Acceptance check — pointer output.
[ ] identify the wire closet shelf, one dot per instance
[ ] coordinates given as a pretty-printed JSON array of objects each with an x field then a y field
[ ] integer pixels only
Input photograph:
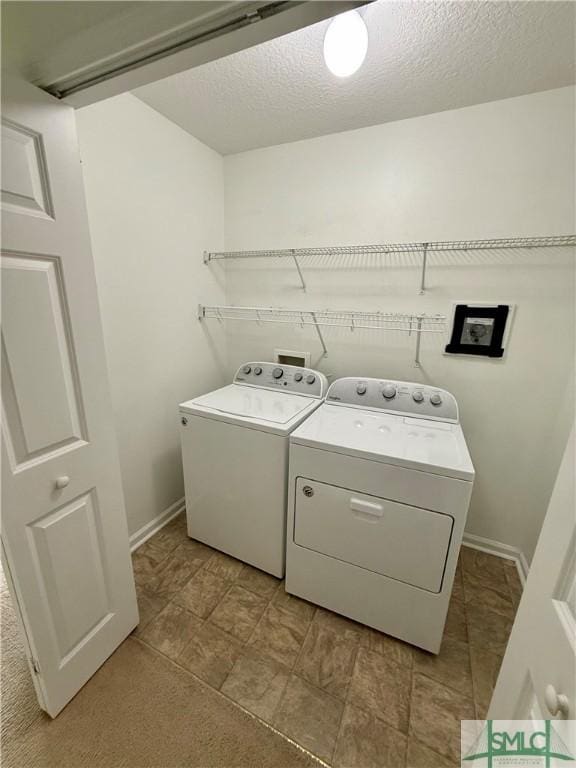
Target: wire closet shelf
[
  {"x": 422, "y": 248},
  {"x": 416, "y": 324},
  {"x": 411, "y": 323},
  {"x": 417, "y": 247}
]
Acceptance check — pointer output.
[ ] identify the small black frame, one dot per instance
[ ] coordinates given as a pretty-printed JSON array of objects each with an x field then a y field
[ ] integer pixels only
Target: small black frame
[{"x": 493, "y": 348}]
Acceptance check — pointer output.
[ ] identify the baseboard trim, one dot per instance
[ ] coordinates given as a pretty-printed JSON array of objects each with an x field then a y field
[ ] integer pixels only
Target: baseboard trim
[
  {"x": 490, "y": 546},
  {"x": 500, "y": 550},
  {"x": 143, "y": 534}
]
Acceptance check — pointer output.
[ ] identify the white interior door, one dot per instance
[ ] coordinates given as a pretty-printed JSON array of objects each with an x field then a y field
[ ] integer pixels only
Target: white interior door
[
  {"x": 538, "y": 675},
  {"x": 64, "y": 528}
]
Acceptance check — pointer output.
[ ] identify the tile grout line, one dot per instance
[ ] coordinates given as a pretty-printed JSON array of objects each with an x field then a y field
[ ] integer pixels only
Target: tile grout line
[
  {"x": 470, "y": 645},
  {"x": 245, "y": 647},
  {"x": 171, "y": 554},
  {"x": 367, "y": 711},
  {"x": 234, "y": 703},
  {"x": 326, "y": 693},
  {"x": 410, "y": 733},
  {"x": 229, "y": 634},
  {"x": 292, "y": 668},
  {"x": 246, "y": 643},
  {"x": 410, "y": 700},
  {"x": 308, "y": 630},
  {"x": 171, "y": 600},
  {"x": 345, "y": 704}
]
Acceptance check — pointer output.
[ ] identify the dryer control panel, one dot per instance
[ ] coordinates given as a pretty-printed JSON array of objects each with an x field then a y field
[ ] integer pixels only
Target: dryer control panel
[
  {"x": 399, "y": 397},
  {"x": 287, "y": 378}
]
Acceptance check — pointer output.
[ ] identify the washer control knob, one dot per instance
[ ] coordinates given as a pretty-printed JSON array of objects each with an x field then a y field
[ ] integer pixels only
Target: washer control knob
[
  {"x": 298, "y": 376},
  {"x": 418, "y": 396},
  {"x": 310, "y": 379},
  {"x": 436, "y": 399},
  {"x": 389, "y": 391},
  {"x": 277, "y": 373},
  {"x": 246, "y": 369},
  {"x": 257, "y": 371},
  {"x": 361, "y": 389}
]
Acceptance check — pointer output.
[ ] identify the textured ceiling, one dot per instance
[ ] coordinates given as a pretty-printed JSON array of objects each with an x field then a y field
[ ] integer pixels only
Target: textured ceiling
[{"x": 423, "y": 57}]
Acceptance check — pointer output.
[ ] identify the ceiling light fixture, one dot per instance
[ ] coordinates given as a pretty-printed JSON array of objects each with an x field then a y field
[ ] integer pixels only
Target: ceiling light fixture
[{"x": 345, "y": 44}]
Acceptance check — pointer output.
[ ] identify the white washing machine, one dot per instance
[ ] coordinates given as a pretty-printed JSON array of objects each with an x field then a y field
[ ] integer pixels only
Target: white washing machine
[
  {"x": 379, "y": 487},
  {"x": 235, "y": 458}
]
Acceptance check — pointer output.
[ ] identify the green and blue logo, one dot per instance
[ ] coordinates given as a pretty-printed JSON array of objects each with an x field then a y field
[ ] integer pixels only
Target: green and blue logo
[{"x": 537, "y": 740}]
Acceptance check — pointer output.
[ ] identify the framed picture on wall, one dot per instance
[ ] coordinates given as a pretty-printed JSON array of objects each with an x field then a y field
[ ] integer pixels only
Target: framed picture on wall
[{"x": 479, "y": 330}]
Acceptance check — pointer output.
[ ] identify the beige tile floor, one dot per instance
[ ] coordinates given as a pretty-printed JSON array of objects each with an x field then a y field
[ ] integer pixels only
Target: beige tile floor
[{"x": 350, "y": 695}]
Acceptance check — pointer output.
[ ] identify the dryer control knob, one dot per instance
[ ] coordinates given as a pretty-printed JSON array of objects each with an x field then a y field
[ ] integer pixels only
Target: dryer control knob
[
  {"x": 310, "y": 379},
  {"x": 436, "y": 399},
  {"x": 417, "y": 396},
  {"x": 298, "y": 376},
  {"x": 257, "y": 371},
  {"x": 389, "y": 391},
  {"x": 246, "y": 369},
  {"x": 361, "y": 389},
  {"x": 277, "y": 373}
]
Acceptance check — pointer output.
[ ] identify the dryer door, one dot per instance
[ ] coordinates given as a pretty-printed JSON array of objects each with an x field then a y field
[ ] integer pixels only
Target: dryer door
[{"x": 397, "y": 540}]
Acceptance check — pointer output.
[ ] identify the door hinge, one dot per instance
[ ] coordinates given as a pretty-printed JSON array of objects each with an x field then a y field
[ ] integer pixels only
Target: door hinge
[{"x": 35, "y": 666}]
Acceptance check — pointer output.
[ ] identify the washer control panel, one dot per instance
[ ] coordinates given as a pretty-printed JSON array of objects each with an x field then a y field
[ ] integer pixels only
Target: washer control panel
[
  {"x": 400, "y": 397},
  {"x": 288, "y": 378}
]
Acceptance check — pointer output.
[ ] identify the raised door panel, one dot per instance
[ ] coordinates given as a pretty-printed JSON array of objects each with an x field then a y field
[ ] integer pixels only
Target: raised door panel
[
  {"x": 40, "y": 392},
  {"x": 66, "y": 547},
  {"x": 25, "y": 187}
]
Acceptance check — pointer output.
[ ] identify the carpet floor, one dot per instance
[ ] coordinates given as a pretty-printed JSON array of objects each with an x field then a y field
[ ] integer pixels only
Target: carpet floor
[{"x": 138, "y": 711}]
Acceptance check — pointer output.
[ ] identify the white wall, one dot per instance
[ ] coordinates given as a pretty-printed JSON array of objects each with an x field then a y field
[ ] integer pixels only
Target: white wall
[
  {"x": 155, "y": 203},
  {"x": 494, "y": 170}
]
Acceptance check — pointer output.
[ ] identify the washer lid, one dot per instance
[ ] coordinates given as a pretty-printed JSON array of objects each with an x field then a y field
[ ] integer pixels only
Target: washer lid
[
  {"x": 430, "y": 446},
  {"x": 279, "y": 411}
]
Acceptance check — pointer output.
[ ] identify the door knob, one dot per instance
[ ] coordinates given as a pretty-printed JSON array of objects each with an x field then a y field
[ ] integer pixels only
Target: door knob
[
  {"x": 62, "y": 482},
  {"x": 556, "y": 702}
]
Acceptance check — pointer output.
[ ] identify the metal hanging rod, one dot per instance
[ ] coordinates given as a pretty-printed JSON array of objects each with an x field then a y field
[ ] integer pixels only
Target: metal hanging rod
[
  {"x": 416, "y": 324},
  {"x": 421, "y": 248}
]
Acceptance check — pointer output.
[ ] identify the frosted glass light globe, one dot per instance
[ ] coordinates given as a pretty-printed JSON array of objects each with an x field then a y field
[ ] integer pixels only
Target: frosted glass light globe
[{"x": 345, "y": 44}]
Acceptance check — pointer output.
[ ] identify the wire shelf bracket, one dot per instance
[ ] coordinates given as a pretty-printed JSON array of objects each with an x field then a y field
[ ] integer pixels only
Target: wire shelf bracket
[
  {"x": 320, "y": 336},
  {"x": 424, "y": 263},
  {"x": 416, "y": 324},
  {"x": 424, "y": 248},
  {"x": 300, "y": 275}
]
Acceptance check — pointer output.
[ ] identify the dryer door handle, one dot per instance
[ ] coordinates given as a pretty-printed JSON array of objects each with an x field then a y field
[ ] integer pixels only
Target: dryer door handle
[{"x": 366, "y": 507}]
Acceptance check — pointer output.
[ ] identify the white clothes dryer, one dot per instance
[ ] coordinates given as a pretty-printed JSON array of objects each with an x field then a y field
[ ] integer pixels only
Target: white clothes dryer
[
  {"x": 379, "y": 486},
  {"x": 235, "y": 459}
]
